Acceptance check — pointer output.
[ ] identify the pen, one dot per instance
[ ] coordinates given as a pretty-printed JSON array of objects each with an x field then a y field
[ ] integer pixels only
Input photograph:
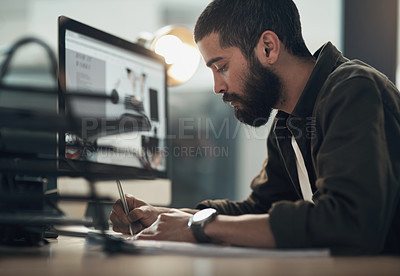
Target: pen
[{"x": 124, "y": 203}]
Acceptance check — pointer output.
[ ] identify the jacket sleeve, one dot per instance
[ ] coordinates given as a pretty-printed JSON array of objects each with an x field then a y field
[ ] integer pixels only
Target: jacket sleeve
[
  {"x": 352, "y": 165},
  {"x": 270, "y": 185}
]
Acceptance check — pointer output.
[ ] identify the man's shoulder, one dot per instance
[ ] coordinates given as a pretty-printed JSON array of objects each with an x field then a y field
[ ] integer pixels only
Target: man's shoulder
[
  {"x": 344, "y": 80},
  {"x": 354, "y": 70},
  {"x": 355, "y": 83}
]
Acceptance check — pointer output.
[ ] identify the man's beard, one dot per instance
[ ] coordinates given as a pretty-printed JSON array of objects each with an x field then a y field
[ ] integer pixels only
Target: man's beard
[{"x": 262, "y": 90}]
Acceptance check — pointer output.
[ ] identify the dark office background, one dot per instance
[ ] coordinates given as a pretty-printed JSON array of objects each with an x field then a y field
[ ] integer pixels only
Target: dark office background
[{"x": 370, "y": 33}]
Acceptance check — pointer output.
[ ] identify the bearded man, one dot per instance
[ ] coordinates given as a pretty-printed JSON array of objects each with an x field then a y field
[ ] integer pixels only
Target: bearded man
[{"x": 332, "y": 177}]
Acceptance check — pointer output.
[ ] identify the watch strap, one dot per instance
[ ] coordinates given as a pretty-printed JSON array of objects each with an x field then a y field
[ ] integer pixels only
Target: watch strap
[
  {"x": 198, "y": 227},
  {"x": 199, "y": 235}
]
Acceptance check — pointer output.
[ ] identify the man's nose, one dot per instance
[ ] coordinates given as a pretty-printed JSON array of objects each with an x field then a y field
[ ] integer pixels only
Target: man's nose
[{"x": 220, "y": 86}]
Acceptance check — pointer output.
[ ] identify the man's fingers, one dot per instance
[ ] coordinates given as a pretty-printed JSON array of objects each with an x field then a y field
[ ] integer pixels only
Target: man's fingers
[
  {"x": 140, "y": 216},
  {"x": 114, "y": 218},
  {"x": 135, "y": 215},
  {"x": 118, "y": 215},
  {"x": 117, "y": 207},
  {"x": 119, "y": 224},
  {"x": 119, "y": 218},
  {"x": 121, "y": 229},
  {"x": 136, "y": 227}
]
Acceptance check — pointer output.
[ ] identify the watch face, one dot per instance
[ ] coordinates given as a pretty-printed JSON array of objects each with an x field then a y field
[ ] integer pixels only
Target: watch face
[{"x": 203, "y": 215}]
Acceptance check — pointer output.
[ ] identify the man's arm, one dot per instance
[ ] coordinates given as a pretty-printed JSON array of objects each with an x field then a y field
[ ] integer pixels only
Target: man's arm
[{"x": 245, "y": 230}]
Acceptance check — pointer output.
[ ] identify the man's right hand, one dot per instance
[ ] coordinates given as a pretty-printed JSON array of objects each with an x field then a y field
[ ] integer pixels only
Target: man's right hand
[{"x": 141, "y": 215}]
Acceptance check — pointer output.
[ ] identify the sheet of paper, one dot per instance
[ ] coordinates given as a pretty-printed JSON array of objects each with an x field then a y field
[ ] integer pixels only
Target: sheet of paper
[
  {"x": 211, "y": 250},
  {"x": 81, "y": 231}
]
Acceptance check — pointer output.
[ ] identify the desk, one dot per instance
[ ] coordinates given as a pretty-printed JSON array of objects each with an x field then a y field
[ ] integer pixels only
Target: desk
[{"x": 69, "y": 256}]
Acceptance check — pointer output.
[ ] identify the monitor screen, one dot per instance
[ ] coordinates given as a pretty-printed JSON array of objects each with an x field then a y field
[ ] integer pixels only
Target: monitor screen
[{"x": 135, "y": 79}]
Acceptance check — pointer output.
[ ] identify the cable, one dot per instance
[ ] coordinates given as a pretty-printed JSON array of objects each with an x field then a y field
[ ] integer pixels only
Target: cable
[
  {"x": 10, "y": 52},
  {"x": 13, "y": 49}
]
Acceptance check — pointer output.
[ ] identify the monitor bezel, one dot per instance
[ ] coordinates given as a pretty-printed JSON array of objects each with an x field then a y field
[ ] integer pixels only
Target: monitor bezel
[{"x": 103, "y": 170}]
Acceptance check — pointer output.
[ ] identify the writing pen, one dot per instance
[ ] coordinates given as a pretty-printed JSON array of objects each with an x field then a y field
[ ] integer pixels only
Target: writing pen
[{"x": 124, "y": 203}]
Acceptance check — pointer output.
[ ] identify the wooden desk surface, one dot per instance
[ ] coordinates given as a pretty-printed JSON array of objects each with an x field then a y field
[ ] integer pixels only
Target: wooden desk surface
[{"x": 69, "y": 256}]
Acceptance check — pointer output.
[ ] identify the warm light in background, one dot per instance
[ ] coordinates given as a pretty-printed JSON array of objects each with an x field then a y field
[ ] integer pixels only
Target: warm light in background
[
  {"x": 169, "y": 46},
  {"x": 179, "y": 50}
]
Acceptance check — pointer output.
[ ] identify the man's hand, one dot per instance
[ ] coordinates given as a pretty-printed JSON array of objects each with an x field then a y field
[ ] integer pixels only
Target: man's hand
[
  {"x": 141, "y": 215},
  {"x": 171, "y": 226}
]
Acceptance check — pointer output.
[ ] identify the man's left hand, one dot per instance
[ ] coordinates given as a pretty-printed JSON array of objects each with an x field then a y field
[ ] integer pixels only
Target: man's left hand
[{"x": 171, "y": 226}]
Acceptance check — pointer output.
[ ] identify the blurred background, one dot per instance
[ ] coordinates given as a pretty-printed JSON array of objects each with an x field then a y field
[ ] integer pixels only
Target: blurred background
[{"x": 226, "y": 155}]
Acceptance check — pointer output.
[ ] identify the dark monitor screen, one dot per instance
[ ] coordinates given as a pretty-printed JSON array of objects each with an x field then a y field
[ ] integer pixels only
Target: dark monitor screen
[{"x": 93, "y": 61}]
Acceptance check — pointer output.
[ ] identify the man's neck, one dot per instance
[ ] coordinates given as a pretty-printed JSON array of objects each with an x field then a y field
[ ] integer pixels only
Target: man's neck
[{"x": 294, "y": 73}]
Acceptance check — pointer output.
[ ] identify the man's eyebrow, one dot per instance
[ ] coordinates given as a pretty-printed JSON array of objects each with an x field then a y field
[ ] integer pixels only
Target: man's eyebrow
[{"x": 213, "y": 60}]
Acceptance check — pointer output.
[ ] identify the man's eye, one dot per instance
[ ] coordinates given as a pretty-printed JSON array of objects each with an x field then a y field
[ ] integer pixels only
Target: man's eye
[{"x": 222, "y": 69}]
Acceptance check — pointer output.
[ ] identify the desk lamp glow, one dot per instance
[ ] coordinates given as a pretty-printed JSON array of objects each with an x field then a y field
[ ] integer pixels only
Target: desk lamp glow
[{"x": 176, "y": 45}]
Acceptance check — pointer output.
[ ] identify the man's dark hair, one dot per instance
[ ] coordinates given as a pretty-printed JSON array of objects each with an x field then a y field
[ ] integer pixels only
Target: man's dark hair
[{"x": 240, "y": 23}]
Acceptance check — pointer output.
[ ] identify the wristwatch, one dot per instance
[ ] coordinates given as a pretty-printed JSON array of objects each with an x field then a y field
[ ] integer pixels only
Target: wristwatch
[{"x": 198, "y": 221}]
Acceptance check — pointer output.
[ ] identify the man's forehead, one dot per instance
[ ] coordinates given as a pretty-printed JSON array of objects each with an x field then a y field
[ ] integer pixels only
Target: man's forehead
[
  {"x": 210, "y": 49},
  {"x": 209, "y": 42}
]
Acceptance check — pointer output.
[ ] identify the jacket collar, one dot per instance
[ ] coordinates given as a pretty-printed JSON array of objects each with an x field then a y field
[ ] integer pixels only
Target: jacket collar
[{"x": 328, "y": 58}]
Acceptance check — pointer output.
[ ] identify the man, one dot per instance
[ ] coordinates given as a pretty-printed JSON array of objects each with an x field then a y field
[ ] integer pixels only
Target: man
[{"x": 333, "y": 171}]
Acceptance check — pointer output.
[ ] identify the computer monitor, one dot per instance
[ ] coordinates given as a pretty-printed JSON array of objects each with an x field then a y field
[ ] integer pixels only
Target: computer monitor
[{"x": 94, "y": 61}]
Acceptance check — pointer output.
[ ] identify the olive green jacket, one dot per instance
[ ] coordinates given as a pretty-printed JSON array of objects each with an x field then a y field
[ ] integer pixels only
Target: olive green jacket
[{"x": 347, "y": 125}]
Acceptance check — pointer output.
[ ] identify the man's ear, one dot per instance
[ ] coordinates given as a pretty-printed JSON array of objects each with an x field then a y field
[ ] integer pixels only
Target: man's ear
[{"x": 268, "y": 48}]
